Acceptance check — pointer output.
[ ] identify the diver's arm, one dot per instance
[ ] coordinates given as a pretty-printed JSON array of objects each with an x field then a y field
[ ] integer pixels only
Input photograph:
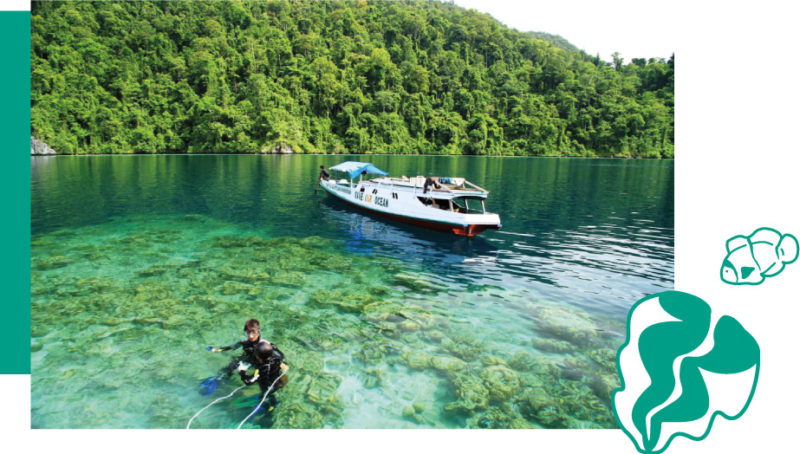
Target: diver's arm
[{"x": 230, "y": 347}]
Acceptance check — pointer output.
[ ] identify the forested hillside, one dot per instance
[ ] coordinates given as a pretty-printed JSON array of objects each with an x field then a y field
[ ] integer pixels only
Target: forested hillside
[{"x": 331, "y": 77}]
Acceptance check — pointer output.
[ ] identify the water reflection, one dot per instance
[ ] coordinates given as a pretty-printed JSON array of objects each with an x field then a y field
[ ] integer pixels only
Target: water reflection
[{"x": 598, "y": 233}]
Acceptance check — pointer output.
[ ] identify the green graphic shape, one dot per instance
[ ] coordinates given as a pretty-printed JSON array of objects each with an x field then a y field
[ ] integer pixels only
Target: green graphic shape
[
  {"x": 15, "y": 178},
  {"x": 668, "y": 365},
  {"x": 752, "y": 259}
]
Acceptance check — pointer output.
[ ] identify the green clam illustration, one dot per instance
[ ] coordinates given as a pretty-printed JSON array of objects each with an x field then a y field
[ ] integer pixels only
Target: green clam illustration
[
  {"x": 763, "y": 254},
  {"x": 680, "y": 367}
]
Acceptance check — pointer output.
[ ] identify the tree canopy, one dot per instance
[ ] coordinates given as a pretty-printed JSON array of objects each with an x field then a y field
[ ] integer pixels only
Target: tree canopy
[{"x": 401, "y": 77}]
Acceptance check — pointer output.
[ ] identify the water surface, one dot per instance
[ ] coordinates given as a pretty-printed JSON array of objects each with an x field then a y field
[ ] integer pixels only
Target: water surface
[{"x": 139, "y": 262}]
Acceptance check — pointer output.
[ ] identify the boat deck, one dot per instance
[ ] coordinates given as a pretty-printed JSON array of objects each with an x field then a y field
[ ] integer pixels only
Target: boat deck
[{"x": 455, "y": 186}]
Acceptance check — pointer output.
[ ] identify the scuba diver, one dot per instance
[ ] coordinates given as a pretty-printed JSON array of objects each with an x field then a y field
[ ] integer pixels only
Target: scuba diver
[
  {"x": 270, "y": 372},
  {"x": 252, "y": 329}
]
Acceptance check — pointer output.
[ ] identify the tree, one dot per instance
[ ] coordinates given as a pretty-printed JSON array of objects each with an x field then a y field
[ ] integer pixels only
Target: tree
[{"x": 392, "y": 77}]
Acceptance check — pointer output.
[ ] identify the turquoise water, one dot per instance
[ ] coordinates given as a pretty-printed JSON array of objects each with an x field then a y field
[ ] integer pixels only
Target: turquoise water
[{"x": 140, "y": 262}]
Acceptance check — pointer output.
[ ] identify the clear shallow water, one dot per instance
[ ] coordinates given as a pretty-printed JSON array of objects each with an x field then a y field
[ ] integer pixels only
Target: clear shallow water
[{"x": 139, "y": 262}]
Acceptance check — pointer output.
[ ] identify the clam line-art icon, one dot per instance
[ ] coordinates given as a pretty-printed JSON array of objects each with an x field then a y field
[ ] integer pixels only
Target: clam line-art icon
[
  {"x": 680, "y": 367},
  {"x": 763, "y": 254}
]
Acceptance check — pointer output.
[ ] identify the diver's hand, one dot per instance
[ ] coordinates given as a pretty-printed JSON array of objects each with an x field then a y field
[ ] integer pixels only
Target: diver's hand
[
  {"x": 241, "y": 368},
  {"x": 213, "y": 350},
  {"x": 247, "y": 380}
]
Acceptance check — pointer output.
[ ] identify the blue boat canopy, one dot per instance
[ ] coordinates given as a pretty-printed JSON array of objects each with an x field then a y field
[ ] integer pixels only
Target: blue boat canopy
[{"x": 354, "y": 168}]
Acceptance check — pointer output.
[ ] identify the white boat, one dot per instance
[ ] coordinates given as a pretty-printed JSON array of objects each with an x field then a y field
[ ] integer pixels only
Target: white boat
[{"x": 454, "y": 205}]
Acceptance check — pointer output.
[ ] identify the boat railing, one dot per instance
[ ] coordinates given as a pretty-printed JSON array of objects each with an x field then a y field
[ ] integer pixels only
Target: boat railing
[{"x": 466, "y": 182}]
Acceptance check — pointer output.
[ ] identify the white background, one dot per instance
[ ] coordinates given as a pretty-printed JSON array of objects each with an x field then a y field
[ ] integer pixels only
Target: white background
[
  {"x": 630, "y": 27},
  {"x": 736, "y": 169}
]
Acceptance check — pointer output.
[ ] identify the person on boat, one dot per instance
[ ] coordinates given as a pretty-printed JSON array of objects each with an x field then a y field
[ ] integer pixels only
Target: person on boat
[
  {"x": 430, "y": 181},
  {"x": 252, "y": 329},
  {"x": 323, "y": 175},
  {"x": 270, "y": 372}
]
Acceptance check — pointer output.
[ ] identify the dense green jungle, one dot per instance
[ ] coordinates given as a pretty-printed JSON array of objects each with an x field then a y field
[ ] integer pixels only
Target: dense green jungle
[{"x": 400, "y": 77}]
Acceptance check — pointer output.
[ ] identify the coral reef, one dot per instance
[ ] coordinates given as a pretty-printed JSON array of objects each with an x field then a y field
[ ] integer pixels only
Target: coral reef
[
  {"x": 122, "y": 344},
  {"x": 501, "y": 382}
]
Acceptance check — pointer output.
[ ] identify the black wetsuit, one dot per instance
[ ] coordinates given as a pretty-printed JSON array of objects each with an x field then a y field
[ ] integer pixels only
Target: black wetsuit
[
  {"x": 247, "y": 357},
  {"x": 268, "y": 371},
  {"x": 324, "y": 175}
]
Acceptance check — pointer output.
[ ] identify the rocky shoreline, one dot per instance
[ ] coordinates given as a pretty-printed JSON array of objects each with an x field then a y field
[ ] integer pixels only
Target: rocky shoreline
[{"x": 39, "y": 148}]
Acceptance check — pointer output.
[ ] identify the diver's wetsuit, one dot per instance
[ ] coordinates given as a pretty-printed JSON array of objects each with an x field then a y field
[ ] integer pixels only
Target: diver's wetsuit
[
  {"x": 247, "y": 357},
  {"x": 324, "y": 175},
  {"x": 268, "y": 371}
]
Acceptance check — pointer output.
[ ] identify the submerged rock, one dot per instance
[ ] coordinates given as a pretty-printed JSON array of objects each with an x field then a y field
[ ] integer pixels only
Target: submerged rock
[
  {"x": 447, "y": 364},
  {"x": 464, "y": 346},
  {"x": 232, "y": 241},
  {"x": 603, "y": 386},
  {"x": 521, "y": 361},
  {"x": 371, "y": 352},
  {"x": 414, "y": 412},
  {"x": 415, "y": 359},
  {"x": 568, "y": 324},
  {"x": 155, "y": 270},
  {"x": 553, "y": 346},
  {"x": 573, "y": 368},
  {"x": 288, "y": 278},
  {"x": 490, "y": 360},
  {"x": 415, "y": 283},
  {"x": 503, "y": 416},
  {"x": 344, "y": 301},
  {"x": 293, "y": 414},
  {"x": 374, "y": 377},
  {"x": 39, "y": 330},
  {"x": 233, "y": 288},
  {"x": 501, "y": 382},
  {"x": 50, "y": 263},
  {"x": 605, "y": 358},
  {"x": 471, "y": 394},
  {"x": 435, "y": 336}
]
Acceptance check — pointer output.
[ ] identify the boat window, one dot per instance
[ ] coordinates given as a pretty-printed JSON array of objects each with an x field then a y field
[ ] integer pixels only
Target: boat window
[
  {"x": 362, "y": 189},
  {"x": 442, "y": 204},
  {"x": 468, "y": 205}
]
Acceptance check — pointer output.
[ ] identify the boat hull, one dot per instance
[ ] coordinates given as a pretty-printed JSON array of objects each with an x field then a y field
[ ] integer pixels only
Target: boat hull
[{"x": 465, "y": 229}]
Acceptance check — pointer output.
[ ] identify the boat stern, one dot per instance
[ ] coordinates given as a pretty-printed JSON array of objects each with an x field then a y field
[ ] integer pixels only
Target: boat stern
[{"x": 477, "y": 224}]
